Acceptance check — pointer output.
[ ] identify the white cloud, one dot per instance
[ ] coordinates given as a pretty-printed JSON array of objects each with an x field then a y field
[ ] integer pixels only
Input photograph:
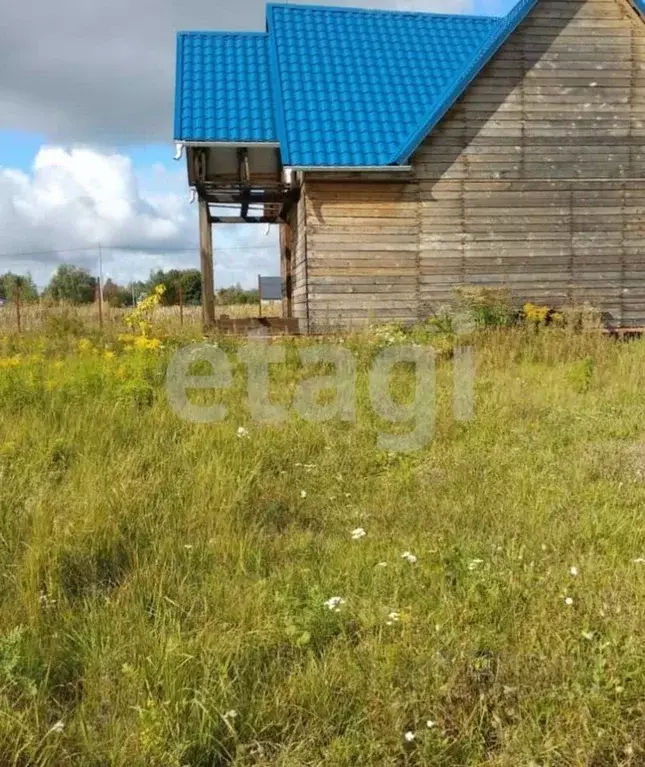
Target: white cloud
[{"x": 74, "y": 199}]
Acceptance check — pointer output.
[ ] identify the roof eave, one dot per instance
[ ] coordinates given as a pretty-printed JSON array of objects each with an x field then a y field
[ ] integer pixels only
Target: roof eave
[{"x": 350, "y": 168}]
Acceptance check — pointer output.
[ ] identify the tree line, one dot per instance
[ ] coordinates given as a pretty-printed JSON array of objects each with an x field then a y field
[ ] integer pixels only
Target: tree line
[{"x": 76, "y": 285}]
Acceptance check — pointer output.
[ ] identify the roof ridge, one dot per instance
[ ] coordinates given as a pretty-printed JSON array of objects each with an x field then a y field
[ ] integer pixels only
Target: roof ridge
[{"x": 384, "y": 11}]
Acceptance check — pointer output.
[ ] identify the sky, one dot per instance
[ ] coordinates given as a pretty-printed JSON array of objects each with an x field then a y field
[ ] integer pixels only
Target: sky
[{"x": 86, "y": 152}]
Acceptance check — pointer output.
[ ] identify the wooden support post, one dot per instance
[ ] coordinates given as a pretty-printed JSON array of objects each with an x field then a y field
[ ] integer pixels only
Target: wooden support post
[
  {"x": 206, "y": 256},
  {"x": 286, "y": 245}
]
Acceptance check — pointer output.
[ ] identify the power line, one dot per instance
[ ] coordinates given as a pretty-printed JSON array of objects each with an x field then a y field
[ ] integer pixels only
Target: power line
[{"x": 130, "y": 249}]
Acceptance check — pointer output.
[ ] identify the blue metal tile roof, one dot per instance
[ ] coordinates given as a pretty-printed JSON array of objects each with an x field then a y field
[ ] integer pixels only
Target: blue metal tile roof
[
  {"x": 640, "y": 5},
  {"x": 334, "y": 86},
  {"x": 223, "y": 92}
]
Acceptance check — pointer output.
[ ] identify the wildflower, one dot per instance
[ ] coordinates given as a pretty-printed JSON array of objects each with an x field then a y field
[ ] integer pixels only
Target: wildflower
[
  {"x": 573, "y": 571},
  {"x": 303, "y": 494},
  {"x": 58, "y": 727},
  {"x": 243, "y": 433},
  {"x": 230, "y": 714},
  {"x": 640, "y": 561},
  {"x": 409, "y": 557},
  {"x": 334, "y": 604},
  {"x": 188, "y": 546},
  {"x": 430, "y": 724},
  {"x": 382, "y": 564},
  {"x": 475, "y": 564},
  {"x": 84, "y": 345},
  {"x": 393, "y": 618},
  {"x": 588, "y": 635},
  {"x": 409, "y": 736},
  {"x": 568, "y": 601},
  {"x": 358, "y": 534},
  {"x": 147, "y": 344},
  {"x": 10, "y": 362}
]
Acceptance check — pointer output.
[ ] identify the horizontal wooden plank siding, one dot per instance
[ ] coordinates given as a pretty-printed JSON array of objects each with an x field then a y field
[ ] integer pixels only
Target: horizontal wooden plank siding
[
  {"x": 298, "y": 221},
  {"x": 362, "y": 252},
  {"x": 536, "y": 178}
]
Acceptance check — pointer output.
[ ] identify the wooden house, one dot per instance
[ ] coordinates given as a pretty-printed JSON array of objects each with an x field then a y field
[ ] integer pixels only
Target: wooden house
[{"x": 406, "y": 154}]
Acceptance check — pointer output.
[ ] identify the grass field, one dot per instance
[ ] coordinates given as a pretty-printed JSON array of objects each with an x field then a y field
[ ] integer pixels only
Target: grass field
[
  {"x": 163, "y": 585},
  {"x": 43, "y": 317}
]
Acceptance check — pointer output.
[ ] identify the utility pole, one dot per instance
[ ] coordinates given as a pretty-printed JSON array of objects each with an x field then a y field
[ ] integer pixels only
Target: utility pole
[{"x": 100, "y": 287}]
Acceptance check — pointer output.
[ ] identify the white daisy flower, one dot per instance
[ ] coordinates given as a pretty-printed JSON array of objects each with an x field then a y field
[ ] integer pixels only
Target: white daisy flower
[
  {"x": 243, "y": 433},
  {"x": 430, "y": 724},
  {"x": 382, "y": 564},
  {"x": 230, "y": 714},
  {"x": 568, "y": 601},
  {"x": 334, "y": 604},
  {"x": 409, "y": 557},
  {"x": 573, "y": 571},
  {"x": 475, "y": 564},
  {"x": 409, "y": 736},
  {"x": 58, "y": 727},
  {"x": 303, "y": 494},
  {"x": 358, "y": 534}
]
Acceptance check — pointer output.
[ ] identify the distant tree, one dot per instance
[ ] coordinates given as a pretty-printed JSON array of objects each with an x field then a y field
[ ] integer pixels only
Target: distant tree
[
  {"x": 9, "y": 282},
  {"x": 189, "y": 280},
  {"x": 237, "y": 295},
  {"x": 192, "y": 281},
  {"x": 73, "y": 284},
  {"x": 116, "y": 295}
]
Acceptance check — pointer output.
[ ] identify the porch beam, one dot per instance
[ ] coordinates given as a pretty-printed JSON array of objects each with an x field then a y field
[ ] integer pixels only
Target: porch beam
[{"x": 247, "y": 220}]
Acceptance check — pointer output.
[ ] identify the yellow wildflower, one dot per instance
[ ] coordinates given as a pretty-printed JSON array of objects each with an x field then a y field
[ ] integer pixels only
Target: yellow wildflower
[
  {"x": 10, "y": 362},
  {"x": 147, "y": 343},
  {"x": 109, "y": 355},
  {"x": 536, "y": 314},
  {"x": 84, "y": 345}
]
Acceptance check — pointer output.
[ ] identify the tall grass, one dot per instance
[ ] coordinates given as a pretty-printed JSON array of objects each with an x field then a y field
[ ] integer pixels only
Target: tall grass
[
  {"x": 45, "y": 317},
  {"x": 163, "y": 585}
]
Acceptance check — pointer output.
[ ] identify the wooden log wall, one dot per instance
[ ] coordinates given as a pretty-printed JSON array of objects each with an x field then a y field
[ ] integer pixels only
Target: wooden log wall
[
  {"x": 362, "y": 251},
  {"x": 300, "y": 301},
  {"x": 536, "y": 179}
]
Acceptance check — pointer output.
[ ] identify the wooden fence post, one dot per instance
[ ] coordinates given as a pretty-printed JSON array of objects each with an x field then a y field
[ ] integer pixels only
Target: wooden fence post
[{"x": 17, "y": 300}]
